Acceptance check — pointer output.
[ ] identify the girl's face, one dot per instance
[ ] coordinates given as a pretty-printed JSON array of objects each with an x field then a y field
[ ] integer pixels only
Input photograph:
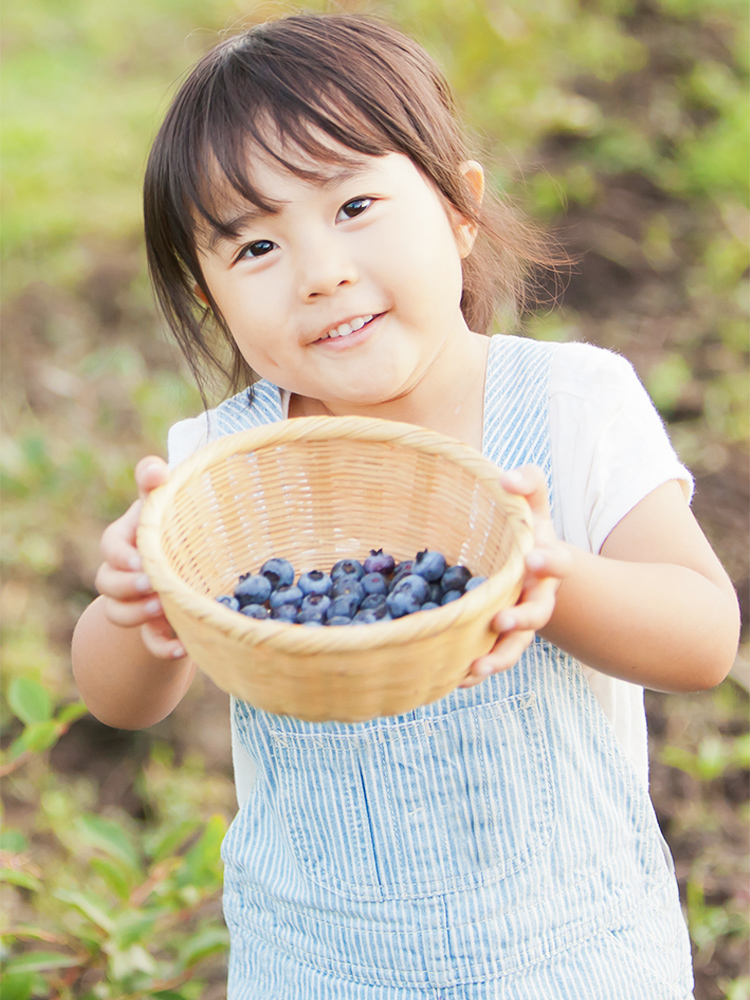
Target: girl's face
[{"x": 349, "y": 292}]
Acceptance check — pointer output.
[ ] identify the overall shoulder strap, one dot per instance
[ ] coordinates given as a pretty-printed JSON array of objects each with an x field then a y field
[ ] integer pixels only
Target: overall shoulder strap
[
  {"x": 259, "y": 404},
  {"x": 516, "y": 405}
]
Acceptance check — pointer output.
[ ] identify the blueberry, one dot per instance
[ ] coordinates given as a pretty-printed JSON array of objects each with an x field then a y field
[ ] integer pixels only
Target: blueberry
[
  {"x": 376, "y": 603},
  {"x": 229, "y": 602},
  {"x": 285, "y": 612},
  {"x": 349, "y": 568},
  {"x": 451, "y": 595},
  {"x": 474, "y": 582},
  {"x": 314, "y": 622},
  {"x": 378, "y": 562},
  {"x": 309, "y": 614},
  {"x": 455, "y": 578},
  {"x": 430, "y": 565},
  {"x": 317, "y": 603},
  {"x": 403, "y": 569},
  {"x": 285, "y": 594},
  {"x": 365, "y": 618},
  {"x": 279, "y": 571},
  {"x": 347, "y": 585},
  {"x": 407, "y": 596},
  {"x": 402, "y": 602},
  {"x": 314, "y": 582},
  {"x": 253, "y": 589},
  {"x": 414, "y": 584},
  {"x": 374, "y": 583},
  {"x": 344, "y": 604},
  {"x": 254, "y": 611},
  {"x": 434, "y": 593},
  {"x": 339, "y": 620},
  {"x": 428, "y": 606}
]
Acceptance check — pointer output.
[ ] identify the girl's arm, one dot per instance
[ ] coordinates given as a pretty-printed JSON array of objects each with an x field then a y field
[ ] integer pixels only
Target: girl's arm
[
  {"x": 129, "y": 668},
  {"x": 655, "y": 607}
]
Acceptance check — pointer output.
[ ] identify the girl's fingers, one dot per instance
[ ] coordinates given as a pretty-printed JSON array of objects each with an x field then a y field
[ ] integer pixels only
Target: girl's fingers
[
  {"x": 550, "y": 561},
  {"x": 517, "y": 627},
  {"x": 533, "y": 612},
  {"x": 506, "y": 652},
  {"x": 118, "y": 541},
  {"x": 122, "y": 585},
  {"x": 546, "y": 566},
  {"x": 128, "y": 614},
  {"x": 528, "y": 481},
  {"x": 160, "y": 640},
  {"x": 150, "y": 472}
]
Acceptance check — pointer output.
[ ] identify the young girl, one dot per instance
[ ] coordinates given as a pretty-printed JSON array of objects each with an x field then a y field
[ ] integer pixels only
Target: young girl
[{"x": 310, "y": 205}]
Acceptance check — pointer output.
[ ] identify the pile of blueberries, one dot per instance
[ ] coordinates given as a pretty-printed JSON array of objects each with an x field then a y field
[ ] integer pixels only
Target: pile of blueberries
[{"x": 353, "y": 592}]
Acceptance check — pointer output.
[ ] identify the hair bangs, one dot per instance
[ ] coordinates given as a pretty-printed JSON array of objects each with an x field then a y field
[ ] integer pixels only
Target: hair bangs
[{"x": 304, "y": 134}]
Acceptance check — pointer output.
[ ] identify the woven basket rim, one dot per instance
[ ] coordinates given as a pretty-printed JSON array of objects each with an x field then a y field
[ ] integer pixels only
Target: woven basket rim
[{"x": 377, "y": 635}]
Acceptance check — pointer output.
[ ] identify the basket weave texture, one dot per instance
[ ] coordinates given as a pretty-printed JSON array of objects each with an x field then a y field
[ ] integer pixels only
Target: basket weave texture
[{"x": 314, "y": 490}]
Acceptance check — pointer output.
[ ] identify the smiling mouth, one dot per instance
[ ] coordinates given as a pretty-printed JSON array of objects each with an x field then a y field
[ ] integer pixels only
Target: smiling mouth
[{"x": 348, "y": 328}]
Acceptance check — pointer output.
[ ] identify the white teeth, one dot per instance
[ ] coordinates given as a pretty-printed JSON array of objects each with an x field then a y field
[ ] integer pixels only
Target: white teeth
[{"x": 346, "y": 328}]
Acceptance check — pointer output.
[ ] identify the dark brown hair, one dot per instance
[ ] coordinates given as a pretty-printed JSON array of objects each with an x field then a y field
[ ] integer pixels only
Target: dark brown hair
[{"x": 291, "y": 84}]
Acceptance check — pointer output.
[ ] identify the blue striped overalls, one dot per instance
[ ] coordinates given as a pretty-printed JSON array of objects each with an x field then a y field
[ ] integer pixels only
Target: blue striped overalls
[{"x": 496, "y": 845}]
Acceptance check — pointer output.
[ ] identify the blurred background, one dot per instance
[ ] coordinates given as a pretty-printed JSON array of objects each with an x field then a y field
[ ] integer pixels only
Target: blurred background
[{"x": 620, "y": 124}]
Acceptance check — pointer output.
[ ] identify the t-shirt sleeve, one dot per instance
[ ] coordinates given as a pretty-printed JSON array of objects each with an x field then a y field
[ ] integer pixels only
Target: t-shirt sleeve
[
  {"x": 610, "y": 447},
  {"x": 187, "y": 436}
]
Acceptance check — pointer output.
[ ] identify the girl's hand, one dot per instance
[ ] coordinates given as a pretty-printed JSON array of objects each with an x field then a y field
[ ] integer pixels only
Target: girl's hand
[
  {"x": 546, "y": 565},
  {"x": 129, "y": 598}
]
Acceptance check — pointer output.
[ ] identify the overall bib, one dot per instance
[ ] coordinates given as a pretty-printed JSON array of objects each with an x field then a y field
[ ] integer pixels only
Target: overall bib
[{"x": 495, "y": 845}]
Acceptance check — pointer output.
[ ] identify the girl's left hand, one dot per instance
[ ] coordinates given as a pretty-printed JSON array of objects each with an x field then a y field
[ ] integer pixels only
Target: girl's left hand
[{"x": 546, "y": 565}]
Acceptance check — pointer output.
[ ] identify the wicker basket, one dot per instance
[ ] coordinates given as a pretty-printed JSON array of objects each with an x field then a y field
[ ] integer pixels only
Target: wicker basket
[{"x": 315, "y": 490}]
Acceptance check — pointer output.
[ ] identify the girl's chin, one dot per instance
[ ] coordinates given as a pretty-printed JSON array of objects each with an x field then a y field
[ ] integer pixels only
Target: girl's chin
[{"x": 385, "y": 405}]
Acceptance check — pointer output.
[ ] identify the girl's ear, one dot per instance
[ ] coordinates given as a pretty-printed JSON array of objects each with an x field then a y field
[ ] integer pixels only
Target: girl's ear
[
  {"x": 473, "y": 173},
  {"x": 466, "y": 232},
  {"x": 200, "y": 293}
]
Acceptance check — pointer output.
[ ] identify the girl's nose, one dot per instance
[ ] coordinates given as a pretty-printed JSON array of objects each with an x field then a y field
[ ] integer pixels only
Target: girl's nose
[{"x": 325, "y": 269}]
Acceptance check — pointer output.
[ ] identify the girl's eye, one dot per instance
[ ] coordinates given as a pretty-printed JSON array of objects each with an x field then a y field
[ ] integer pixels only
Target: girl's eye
[
  {"x": 355, "y": 207},
  {"x": 257, "y": 249}
]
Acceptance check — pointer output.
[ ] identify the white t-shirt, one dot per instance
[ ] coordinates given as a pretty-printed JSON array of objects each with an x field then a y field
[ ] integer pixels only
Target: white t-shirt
[{"x": 610, "y": 449}]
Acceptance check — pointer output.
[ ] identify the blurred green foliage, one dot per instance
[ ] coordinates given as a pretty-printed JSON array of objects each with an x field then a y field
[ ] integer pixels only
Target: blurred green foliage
[
  {"x": 622, "y": 124},
  {"x": 109, "y": 909}
]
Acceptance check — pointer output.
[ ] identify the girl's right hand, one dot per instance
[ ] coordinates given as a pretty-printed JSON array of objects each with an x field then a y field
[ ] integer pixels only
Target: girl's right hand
[{"x": 129, "y": 598}]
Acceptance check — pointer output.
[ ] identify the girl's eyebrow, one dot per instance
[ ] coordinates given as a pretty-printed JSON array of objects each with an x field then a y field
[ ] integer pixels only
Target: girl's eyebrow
[{"x": 231, "y": 228}]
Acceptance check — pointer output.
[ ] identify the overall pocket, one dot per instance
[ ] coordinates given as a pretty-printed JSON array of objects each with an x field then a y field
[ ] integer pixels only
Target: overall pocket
[{"x": 410, "y": 809}]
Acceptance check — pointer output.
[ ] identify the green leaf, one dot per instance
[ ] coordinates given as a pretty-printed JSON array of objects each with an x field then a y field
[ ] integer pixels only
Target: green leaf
[
  {"x": 202, "y": 867},
  {"x": 119, "y": 878},
  {"x": 107, "y": 836},
  {"x": 169, "y": 841},
  {"x": 13, "y": 840},
  {"x": 667, "y": 380},
  {"x": 29, "y": 701},
  {"x": 70, "y": 713},
  {"x": 134, "y": 926},
  {"x": 89, "y": 905},
  {"x": 209, "y": 941},
  {"x": 36, "y": 737},
  {"x": 741, "y": 752},
  {"x": 22, "y": 879},
  {"x": 125, "y": 962},
  {"x": 39, "y": 961},
  {"x": 206, "y": 852},
  {"x": 17, "y": 986}
]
